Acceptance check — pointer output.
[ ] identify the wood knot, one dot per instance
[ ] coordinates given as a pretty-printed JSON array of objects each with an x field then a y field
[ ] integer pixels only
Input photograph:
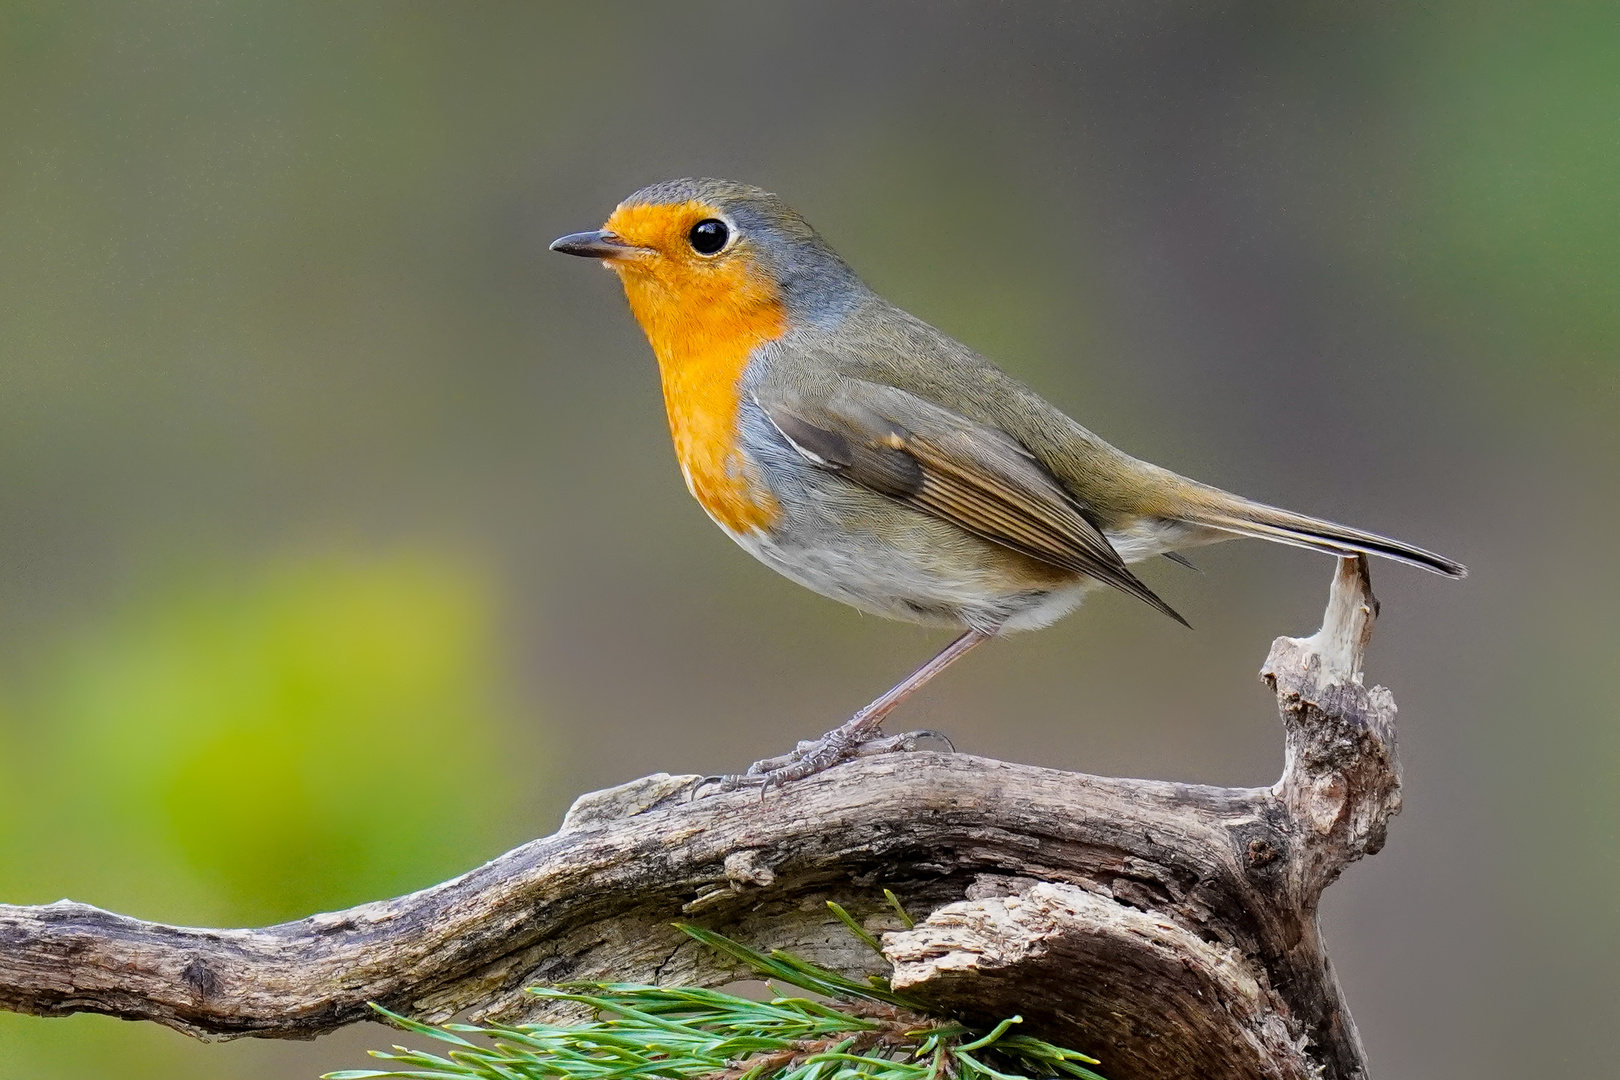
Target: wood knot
[
  {"x": 201, "y": 978},
  {"x": 1261, "y": 850},
  {"x": 746, "y": 868}
]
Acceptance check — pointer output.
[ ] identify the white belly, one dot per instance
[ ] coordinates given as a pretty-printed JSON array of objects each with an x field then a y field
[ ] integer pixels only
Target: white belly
[{"x": 881, "y": 580}]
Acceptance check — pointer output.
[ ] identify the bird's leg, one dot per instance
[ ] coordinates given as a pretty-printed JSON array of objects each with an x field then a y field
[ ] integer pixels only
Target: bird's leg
[{"x": 857, "y": 733}]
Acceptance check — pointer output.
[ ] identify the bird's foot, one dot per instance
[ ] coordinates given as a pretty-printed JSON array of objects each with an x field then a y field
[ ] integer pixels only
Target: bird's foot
[{"x": 812, "y": 756}]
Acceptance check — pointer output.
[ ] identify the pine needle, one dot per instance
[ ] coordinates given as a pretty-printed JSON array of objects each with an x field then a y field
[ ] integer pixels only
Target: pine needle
[{"x": 860, "y": 1031}]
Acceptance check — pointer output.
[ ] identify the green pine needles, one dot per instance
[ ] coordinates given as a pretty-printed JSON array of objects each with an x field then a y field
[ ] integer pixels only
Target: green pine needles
[{"x": 847, "y": 1031}]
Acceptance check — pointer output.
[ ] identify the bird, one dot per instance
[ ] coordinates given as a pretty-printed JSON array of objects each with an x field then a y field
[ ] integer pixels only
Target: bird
[{"x": 870, "y": 457}]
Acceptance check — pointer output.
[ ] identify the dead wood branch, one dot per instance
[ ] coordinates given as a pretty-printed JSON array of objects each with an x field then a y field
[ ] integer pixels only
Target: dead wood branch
[{"x": 1169, "y": 929}]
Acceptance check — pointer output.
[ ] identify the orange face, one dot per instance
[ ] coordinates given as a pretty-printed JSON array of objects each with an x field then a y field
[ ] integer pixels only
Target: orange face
[{"x": 704, "y": 315}]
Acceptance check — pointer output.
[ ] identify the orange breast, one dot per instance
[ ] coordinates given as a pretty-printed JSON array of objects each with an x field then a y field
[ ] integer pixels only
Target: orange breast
[{"x": 703, "y": 323}]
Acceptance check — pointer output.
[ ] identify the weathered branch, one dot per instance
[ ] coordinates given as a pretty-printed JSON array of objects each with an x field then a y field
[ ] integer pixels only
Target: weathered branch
[{"x": 1169, "y": 929}]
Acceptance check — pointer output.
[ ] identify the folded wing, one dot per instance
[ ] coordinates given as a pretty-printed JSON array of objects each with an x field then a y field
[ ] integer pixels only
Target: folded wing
[{"x": 975, "y": 476}]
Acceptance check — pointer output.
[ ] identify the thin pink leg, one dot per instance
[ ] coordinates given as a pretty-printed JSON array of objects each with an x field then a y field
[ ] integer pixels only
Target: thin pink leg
[{"x": 844, "y": 742}]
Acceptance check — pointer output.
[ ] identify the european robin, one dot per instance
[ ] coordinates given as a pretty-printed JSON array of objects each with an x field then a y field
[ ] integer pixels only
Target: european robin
[{"x": 870, "y": 457}]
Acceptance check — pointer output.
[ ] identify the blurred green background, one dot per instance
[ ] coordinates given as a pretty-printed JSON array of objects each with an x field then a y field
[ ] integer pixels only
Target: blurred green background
[{"x": 341, "y": 543}]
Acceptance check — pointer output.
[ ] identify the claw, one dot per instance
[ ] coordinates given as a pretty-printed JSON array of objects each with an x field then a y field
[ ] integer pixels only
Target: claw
[
  {"x": 726, "y": 783},
  {"x": 902, "y": 743},
  {"x": 911, "y": 738},
  {"x": 812, "y": 757}
]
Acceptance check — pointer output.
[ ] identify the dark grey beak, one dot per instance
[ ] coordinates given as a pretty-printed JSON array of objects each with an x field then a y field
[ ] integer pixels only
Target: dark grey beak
[{"x": 599, "y": 244}]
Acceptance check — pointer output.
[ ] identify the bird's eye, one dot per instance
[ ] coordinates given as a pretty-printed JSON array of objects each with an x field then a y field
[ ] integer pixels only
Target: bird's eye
[{"x": 708, "y": 236}]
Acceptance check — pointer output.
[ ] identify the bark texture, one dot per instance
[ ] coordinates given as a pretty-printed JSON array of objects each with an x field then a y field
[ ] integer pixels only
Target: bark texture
[{"x": 1168, "y": 929}]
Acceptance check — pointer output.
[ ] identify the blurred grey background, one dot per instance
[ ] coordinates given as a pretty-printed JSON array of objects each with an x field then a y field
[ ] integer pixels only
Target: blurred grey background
[{"x": 341, "y": 542}]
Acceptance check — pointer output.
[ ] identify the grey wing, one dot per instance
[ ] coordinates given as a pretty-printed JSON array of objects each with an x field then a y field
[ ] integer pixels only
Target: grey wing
[{"x": 973, "y": 475}]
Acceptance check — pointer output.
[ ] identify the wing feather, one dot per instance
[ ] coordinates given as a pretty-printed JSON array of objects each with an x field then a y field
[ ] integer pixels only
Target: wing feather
[{"x": 975, "y": 476}]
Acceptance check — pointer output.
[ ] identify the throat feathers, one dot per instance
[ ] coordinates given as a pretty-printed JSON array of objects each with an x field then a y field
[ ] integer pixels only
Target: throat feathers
[{"x": 704, "y": 320}]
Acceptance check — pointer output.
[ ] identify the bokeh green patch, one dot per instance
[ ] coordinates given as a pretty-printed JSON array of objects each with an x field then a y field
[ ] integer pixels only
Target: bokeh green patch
[
  {"x": 1517, "y": 211},
  {"x": 250, "y": 748}
]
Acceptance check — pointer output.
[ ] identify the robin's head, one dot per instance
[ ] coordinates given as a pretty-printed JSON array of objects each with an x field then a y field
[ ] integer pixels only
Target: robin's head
[{"x": 687, "y": 250}]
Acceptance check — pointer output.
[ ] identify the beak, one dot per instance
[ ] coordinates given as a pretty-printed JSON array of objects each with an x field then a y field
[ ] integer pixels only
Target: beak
[{"x": 598, "y": 244}]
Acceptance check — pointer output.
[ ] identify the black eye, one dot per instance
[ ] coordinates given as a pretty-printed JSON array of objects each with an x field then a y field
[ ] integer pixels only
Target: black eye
[{"x": 708, "y": 236}]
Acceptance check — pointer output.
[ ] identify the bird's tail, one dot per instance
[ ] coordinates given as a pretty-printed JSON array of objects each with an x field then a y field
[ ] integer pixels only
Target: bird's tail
[{"x": 1232, "y": 514}]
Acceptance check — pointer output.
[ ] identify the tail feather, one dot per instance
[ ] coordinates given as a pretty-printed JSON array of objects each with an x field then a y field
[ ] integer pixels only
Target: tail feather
[{"x": 1285, "y": 527}]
